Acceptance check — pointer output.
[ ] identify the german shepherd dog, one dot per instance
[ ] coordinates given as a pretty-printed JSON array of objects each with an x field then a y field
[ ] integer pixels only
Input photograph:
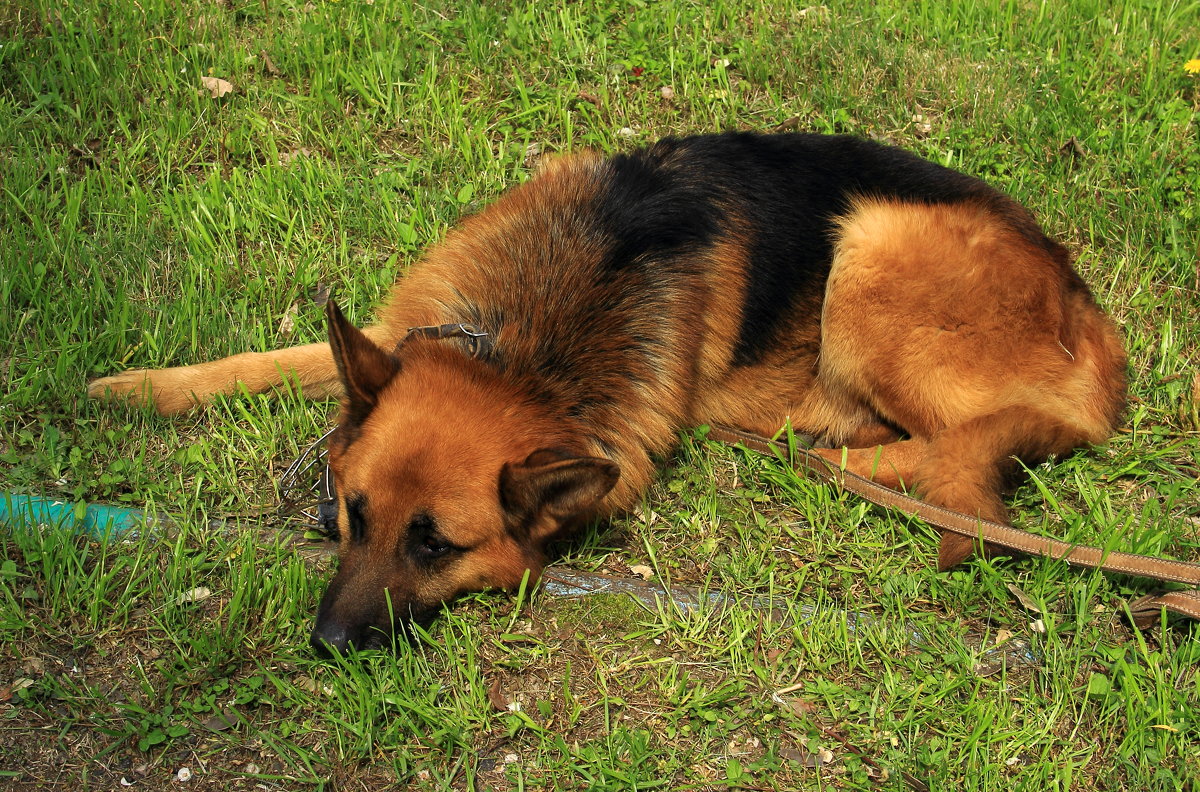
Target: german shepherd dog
[{"x": 916, "y": 321}]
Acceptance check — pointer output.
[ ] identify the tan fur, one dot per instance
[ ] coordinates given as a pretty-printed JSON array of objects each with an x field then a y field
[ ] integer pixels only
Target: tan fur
[
  {"x": 447, "y": 416},
  {"x": 950, "y": 339},
  {"x": 927, "y": 308},
  {"x": 175, "y": 390}
]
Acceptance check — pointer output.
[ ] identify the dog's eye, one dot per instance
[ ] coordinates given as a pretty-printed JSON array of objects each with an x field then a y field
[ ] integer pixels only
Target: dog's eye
[
  {"x": 435, "y": 546},
  {"x": 427, "y": 543}
]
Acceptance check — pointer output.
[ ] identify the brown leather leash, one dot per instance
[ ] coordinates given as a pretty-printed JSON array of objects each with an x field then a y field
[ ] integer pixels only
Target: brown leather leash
[{"x": 1144, "y": 611}]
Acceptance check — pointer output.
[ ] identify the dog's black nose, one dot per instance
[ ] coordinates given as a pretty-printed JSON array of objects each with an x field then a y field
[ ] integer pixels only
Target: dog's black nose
[{"x": 331, "y": 637}]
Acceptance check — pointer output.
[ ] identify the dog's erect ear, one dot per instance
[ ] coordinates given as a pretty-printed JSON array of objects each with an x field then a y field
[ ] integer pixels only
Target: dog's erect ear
[
  {"x": 363, "y": 367},
  {"x": 554, "y": 484}
]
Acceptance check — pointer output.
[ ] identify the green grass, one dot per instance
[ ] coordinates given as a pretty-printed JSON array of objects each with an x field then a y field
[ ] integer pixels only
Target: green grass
[{"x": 143, "y": 223}]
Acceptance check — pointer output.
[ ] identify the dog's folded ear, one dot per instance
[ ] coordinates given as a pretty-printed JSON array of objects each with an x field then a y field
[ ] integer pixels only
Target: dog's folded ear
[
  {"x": 551, "y": 488},
  {"x": 363, "y": 367}
]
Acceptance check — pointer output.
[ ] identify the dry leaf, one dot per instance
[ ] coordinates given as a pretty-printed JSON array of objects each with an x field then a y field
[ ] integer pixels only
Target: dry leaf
[
  {"x": 807, "y": 758},
  {"x": 533, "y": 153},
  {"x": 1073, "y": 147},
  {"x": 216, "y": 87},
  {"x": 1194, "y": 407},
  {"x": 649, "y": 516},
  {"x": 796, "y": 706},
  {"x": 642, "y": 571},
  {"x": 988, "y": 669},
  {"x": 787, "y": 124},
  {"x": 288, "y": 322},
  {"x": 312, "y": 686},
  {"x": 1027, "y": 602},
  {"x": 195, "y": 595},
  {"x": 271, "y": 68},
  {"x": 497, "y": 698},
  {"x": 801, "y": 707},
  {"x": 222, "y": 720},
  {"x": 287, "y": 157}
]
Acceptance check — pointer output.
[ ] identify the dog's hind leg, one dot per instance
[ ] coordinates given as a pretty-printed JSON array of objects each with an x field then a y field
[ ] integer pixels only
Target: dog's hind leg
[
  {"x": 964, "y": 467},
  {"x": 967, "y": 466},
  {"x": 173, "y": 390}
]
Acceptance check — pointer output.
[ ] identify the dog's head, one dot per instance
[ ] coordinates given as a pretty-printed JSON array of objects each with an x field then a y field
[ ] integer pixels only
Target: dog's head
[{"x": 449, "y": 481}]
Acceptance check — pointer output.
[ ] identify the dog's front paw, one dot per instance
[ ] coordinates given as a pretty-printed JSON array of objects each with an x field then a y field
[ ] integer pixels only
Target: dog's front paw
[{"x": 157, "y": 388}]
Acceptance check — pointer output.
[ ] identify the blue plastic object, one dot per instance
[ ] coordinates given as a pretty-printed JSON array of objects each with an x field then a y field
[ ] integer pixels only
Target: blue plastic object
[{"x": 94, "y": 519}]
